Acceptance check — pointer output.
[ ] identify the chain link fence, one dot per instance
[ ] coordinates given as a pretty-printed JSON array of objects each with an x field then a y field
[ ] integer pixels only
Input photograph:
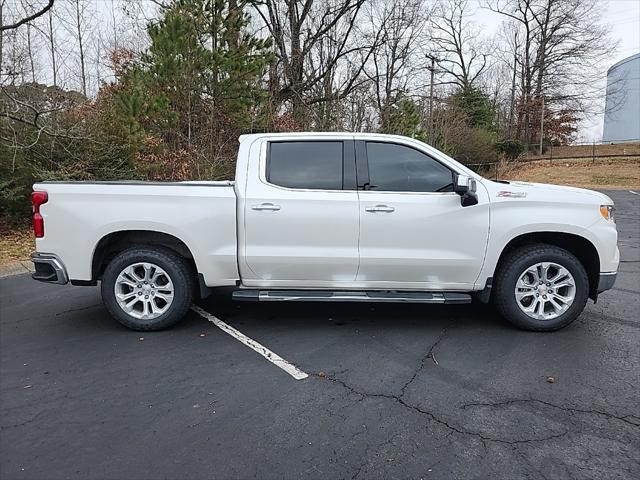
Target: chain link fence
[
  {"x": 578, "y": 151},
  {"x": 582, "y": 151}
]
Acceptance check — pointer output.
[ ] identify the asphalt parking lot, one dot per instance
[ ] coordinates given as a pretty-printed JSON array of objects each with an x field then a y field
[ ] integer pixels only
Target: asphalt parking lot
[{"x": 402, "y": 391}]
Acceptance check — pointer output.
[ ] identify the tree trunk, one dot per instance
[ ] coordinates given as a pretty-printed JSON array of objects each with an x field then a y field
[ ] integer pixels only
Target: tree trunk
[
  {"x": 30, "y": 52},
  {"x": 80, "y": 45},
  {"x": 53, "y": 51},
  {"x": 232, "y": 34},
  {"x": 1, "y": 36}
]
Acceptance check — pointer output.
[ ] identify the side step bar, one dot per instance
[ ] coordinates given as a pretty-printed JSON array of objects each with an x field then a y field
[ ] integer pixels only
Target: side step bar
[{"x": 349, "y": 296}]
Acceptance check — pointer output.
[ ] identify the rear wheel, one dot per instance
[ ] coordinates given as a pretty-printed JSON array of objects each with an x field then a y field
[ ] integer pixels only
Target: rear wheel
[
  {"x": 541, "y": 288},
  {"x": 147, "y": 288}
]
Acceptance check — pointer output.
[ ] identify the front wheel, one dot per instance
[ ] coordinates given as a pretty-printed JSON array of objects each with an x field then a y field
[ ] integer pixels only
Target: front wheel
[
  {"x": 147, "y": 288},
  {"x": 541, "y": 288}
]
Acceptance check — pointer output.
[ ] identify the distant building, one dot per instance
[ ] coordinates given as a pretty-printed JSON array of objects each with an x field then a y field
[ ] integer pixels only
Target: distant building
[{"x": 622, "y": 110}]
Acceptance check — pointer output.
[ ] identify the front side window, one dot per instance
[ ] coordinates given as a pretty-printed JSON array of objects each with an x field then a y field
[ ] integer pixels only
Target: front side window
[
  {"x": 397, "y": 168},
  {"x": 305, "y": 165}
]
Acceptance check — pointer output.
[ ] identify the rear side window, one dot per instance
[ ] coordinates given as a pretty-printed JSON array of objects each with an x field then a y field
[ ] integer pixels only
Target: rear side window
[
  {"x": 397, "y": 168},
  {"x": 308, "y": 165}
]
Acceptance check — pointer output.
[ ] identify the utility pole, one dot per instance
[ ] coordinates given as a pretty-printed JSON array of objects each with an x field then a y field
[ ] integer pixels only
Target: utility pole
[
  {"x": 513, "y": 92},
  {"x": 541, "y": 124},
  {"x": 432, "y": 69}
]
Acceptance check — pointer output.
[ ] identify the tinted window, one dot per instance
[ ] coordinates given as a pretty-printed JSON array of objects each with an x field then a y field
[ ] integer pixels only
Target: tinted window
[
  {"x": 397, "y": 168},
  {"x": 315, "y": 165}
]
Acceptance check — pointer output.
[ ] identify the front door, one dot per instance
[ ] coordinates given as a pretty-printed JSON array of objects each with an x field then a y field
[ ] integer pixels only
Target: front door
[
  {"x": 414, "y": 233},
  {"x": 301, "y": 216}
]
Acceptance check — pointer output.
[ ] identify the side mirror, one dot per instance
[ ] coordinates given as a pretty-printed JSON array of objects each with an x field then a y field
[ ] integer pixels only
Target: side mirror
[{"x": 465, "y": 186}]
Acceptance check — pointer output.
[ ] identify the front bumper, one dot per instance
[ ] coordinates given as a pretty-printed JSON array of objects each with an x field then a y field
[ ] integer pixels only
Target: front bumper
[
  {"x": 48, "y": 268},
  {"x": 606, "y": 281}
]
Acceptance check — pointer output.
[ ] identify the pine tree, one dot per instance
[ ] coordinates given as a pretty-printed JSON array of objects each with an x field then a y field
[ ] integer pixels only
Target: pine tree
[
  {"x": 476, "y": 105},
  {"x": 404, "y": 119},
  {"x": 202, "y": 72}
]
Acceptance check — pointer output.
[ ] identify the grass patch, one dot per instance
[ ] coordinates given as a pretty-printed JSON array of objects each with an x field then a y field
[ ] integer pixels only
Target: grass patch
[{"x": 606, "y": 173}]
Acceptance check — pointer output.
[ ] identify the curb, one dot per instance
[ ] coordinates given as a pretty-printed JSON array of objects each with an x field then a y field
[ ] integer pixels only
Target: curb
[{"x": 16, "y": 268}]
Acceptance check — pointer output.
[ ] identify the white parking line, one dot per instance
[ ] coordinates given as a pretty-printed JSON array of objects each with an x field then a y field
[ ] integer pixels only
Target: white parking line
[
  {"x": 635, "y": 193},
  {"x": 274, "y": 358}
]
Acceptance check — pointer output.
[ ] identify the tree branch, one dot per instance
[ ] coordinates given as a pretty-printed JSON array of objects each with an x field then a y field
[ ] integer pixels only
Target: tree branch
[{"x": 35, "y": 15}]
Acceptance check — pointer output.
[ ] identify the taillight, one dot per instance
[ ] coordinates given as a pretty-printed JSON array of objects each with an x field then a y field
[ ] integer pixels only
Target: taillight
[{"x": 37, "y": 199}]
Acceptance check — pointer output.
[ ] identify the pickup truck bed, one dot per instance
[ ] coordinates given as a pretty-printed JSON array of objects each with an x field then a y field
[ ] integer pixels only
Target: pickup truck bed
[{"x": 88, "y": 215}]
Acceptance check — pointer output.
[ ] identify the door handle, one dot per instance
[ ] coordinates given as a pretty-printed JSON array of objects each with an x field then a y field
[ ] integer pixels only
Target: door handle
[
  {"x": 380, "y": 208},
  {"x": 266, "y": 206}
]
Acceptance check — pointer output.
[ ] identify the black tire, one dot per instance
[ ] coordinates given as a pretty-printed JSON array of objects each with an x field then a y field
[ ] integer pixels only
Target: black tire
[
  {"x": 509, "y": 271},
  {"x": 179, "y": 271}
]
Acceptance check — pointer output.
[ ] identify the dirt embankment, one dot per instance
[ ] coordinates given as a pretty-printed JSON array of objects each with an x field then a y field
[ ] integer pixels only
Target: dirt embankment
[{"x": 602, "y": 174}]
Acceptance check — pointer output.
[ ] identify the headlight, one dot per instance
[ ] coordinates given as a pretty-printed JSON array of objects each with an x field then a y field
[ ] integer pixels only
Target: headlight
[{"x": 608, "y": 212}]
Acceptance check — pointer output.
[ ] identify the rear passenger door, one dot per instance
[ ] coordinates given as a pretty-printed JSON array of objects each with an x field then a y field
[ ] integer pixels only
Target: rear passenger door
[{"x": 301, "y": 215}]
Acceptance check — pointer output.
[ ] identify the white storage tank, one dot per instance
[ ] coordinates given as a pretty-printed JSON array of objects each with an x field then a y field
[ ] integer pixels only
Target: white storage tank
[{"x": 622, "y": 110}]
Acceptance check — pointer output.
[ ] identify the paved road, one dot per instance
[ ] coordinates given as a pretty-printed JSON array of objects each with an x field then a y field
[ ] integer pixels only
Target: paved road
[{"x": 407, "y": 391}]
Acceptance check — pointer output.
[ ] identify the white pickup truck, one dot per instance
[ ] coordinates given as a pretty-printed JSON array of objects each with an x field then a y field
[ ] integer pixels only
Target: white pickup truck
[{"x": 330, "y": 217}]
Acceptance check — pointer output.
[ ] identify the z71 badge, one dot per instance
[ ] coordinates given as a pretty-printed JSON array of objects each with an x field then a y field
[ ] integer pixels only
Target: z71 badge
[{"x": 505, "y": 193}]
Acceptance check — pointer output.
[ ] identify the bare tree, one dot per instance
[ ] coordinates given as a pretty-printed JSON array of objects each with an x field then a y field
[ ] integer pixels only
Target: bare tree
[
  {"x": 15, "y": 56},
  {"x": 29, "y": 112},
  {"x": 396, "y": 63},
  {"x": 298, "y": 27},
  {"x": 29, "y": 41},
  {"x": 33, "y": 106},
  {"x": 559, "y": 54},
  {"x": 358, "y": 114},
  {"x": 461, "y": 54},
  {"x": 79, "y": 25}
]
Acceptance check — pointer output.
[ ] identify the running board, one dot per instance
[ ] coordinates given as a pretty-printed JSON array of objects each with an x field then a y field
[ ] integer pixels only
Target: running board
[{"x": 348, "y": 296}]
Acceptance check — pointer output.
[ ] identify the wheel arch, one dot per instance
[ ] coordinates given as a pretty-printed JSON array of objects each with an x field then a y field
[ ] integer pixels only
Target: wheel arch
[
  {"x": 115, "y": 242},
  {"x": 581, "y": 247}
]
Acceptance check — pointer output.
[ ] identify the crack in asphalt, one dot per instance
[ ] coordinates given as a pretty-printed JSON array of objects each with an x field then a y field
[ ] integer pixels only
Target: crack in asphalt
[
  {"x": 608, "y": 318},
  {"x": 427, "y": 356},
  {"x": 399, "y": 399},
  {"x": 626, "y": 290},
  {"x": 80, "y": 309},
  {"x": 624, "y": 418},
  {"x": 636, "y": 419},
  {"x": 366, "y": 454},
  {"x": 533, "y": 467},
  {"x": 26, "y": 422}
]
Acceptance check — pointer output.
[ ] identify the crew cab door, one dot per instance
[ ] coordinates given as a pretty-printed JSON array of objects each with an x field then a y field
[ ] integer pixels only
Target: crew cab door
[
  {"x": 414, "y": 232},
  {"x": 301, "y": 215}
]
